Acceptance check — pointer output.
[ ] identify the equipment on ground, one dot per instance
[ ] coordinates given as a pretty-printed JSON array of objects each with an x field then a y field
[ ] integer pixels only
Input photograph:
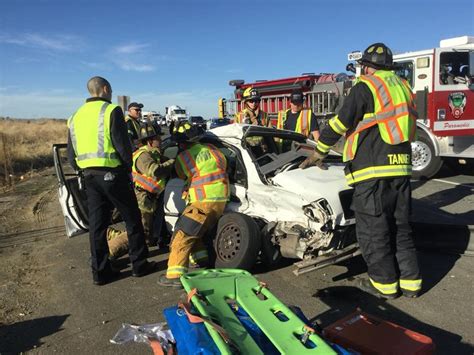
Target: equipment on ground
[{"x": 219, "y": 294}]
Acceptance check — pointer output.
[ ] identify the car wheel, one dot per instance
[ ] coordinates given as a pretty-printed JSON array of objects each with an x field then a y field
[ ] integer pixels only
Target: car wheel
[
  {"x": 237, "y": 242},
  {"x": 425, "y": 163}
]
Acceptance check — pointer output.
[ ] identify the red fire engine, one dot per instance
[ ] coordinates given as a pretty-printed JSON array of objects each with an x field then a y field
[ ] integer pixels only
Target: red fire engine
[{"x": 442, "y": 79}]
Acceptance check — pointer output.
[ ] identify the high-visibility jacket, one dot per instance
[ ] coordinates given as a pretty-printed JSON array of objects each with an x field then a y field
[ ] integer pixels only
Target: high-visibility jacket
[
  {"x": 303, "y": 124},
  {"x": 204, "y": 168},
  {"x": 147, "y": 180},
  {"x": 384, "y": 151},
  {"x": 262, "y": 117},
  {"x": 135, "y": 125},
  {"x": 89, "y": 129}
]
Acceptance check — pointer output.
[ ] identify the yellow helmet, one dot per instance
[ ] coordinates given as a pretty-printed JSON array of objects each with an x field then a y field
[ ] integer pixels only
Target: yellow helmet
[
  {"x": 183, "y": 131},
  {"x": 250, "y": 94}
]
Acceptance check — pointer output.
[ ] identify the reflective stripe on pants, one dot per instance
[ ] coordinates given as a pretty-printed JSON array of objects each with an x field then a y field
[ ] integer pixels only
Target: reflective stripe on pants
[{"x": 183, "y": 245}]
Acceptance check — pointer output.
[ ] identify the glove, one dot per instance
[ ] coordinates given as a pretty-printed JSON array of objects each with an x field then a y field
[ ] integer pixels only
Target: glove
[
  {"x": 164, "y": 169},
  {"x": 316, "y": 159},
  {"x": 167, "y": 163}
]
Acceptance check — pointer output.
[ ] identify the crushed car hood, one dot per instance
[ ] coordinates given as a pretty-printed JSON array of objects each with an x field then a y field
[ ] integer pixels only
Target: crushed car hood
[{"x": 314, "y": 183}]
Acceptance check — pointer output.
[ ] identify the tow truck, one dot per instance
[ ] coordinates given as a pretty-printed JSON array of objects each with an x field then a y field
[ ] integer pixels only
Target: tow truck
[{"x": 441, "y": 78}]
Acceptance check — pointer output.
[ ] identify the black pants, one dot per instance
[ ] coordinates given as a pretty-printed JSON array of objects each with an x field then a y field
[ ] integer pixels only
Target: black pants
[
  {"x": 159, "y": 224},
  {"x": 382, "y": 208},
  {"x": 102, "y": 195}
]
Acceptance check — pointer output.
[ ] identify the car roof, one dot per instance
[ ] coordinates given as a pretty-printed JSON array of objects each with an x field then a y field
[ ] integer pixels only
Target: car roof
[{"x": 237, "y": 130}]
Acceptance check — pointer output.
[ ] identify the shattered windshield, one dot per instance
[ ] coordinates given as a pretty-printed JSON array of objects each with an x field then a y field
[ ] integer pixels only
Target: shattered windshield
[{"x": 275, "y": 153}]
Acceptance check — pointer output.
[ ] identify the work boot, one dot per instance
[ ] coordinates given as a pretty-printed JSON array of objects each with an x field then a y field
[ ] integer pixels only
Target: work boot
[
  {"x": 164, "y": 281},
  {"x": 410, "y": 294},
  {"x": 367, "y": 286},
  {"x": 110, "y": 275},
  {"x": 146, "y": 269}
]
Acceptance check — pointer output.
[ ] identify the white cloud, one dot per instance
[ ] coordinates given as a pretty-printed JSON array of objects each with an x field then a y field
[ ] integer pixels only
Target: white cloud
[
  {"x": 134, "y": 61},
  {"x": 131, "y": 66},
  {"x": 130, "y": 48},
  {"x": 36, "y": 40}
]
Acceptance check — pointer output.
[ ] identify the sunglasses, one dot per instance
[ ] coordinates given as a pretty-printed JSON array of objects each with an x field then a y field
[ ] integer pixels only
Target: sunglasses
[
  {"x": 137, "y": 109},
  {"x": 255, "y": 101}
]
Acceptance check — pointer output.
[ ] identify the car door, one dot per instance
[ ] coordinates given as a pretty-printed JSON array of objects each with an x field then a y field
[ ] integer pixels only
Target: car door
[{"x": 72, "y": 197}]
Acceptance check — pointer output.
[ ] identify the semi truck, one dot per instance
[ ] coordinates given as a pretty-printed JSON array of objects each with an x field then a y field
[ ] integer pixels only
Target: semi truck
[
  {"x": 175, "y": 114},
  {"x": 441, "y": 78}
]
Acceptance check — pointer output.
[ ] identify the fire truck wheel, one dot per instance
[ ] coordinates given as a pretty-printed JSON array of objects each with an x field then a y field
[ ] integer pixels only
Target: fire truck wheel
[
  {"x": 425, "y": 163},
  {"x": 237, "y": 242}
]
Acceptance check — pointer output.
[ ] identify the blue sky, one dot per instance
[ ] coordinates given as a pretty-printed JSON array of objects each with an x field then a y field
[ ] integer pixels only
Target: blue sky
[{"x": 185, "y": 52}]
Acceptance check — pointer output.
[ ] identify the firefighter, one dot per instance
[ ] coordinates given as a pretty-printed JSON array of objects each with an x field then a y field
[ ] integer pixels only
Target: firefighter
[
  {"x": 378, "y": 119},
  {"x": 98, "y": 145},
  {"x": 133, "y": 123},
  {"x": 252, "y": 114},
  {"x": 203, "y": 167},
  {"x": 150, "y": 172},
  {"x": 298, "y": 119}
]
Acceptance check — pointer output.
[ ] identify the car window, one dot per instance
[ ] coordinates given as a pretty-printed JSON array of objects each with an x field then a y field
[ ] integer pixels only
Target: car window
[{"x": 235, "y": 168}]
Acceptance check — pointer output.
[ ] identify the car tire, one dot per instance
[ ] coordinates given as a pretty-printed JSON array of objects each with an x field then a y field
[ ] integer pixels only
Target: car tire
[
  {"x": 237, "y": 242},
  {"x": 425, "y": 162}
]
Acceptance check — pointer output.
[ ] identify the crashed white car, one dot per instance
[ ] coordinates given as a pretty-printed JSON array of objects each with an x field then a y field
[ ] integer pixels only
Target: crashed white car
[{"x": 276, "y": 209}]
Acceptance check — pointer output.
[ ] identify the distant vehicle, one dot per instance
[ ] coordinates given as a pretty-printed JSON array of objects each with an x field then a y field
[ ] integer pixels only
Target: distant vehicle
[
  {"x": 175, "y": 114},
  {"x": 154, "y": 116},
  {"x": 217, "y": 122},
  {"x": 198, "y": 121}
]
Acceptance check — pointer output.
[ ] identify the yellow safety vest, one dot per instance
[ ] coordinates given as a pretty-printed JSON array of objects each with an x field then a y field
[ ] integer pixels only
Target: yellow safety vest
[
  {"x": 205, "y": 168},
  {"x": 262, "y": 116},
  {"x": 147, "y": 180},
  {"x": 394, "y": 112},
  {"x": 89, "y": 129},
  {"x": 303, "y": 124}
]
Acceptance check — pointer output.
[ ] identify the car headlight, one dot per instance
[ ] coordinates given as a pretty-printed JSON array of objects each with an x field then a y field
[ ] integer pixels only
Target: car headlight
[{"x": 319, "y": 211}]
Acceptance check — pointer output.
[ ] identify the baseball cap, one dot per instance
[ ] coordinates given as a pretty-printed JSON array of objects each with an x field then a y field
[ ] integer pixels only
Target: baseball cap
[{"x": 134, "y": 104}]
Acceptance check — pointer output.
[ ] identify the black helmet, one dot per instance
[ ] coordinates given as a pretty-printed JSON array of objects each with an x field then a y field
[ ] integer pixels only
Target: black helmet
[
  {"x": 297, "y": 96},
  {"x": 377, "y": 56},
  {"x": 251, "y": 94},
  {"x": 183, "y": 131},
  {"x": 147, "y": 131}
]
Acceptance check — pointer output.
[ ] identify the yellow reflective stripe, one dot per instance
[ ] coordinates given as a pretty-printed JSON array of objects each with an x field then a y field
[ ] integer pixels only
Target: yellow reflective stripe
[
  {"x": 411, "y": 285},
  {"x": 386, "y": 289},
  {"x": 198, "y": 256},
  {"x": 337, "y": 126},
  {"x": 323, "y": 148},
  {"x": 176, "y": 271},
  {"x": 378, "y": 171}
]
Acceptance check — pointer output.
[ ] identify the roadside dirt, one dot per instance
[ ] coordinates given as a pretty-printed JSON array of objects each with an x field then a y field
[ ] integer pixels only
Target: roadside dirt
[{"x": 29, "y": 224}]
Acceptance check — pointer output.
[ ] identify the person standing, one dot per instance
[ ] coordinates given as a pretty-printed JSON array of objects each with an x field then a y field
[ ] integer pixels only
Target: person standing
[
  {"x": 203, "y": 167},
  {"x": 251, "y": 113},
  {"x": 133, "y": 123},
  {"x": 378, "y": 118},
  {"x": 150, "y": 171},
  {"x": 99, "y": 146},
  {"x": 298, "y": 119}
]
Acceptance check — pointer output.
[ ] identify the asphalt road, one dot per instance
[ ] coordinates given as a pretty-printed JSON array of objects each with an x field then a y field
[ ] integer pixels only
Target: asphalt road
[{"x": 73, "y": 316}]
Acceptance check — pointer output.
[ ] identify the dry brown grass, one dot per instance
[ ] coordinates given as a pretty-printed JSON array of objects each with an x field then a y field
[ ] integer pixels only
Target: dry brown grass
[{"x": 25, "y": 145}]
